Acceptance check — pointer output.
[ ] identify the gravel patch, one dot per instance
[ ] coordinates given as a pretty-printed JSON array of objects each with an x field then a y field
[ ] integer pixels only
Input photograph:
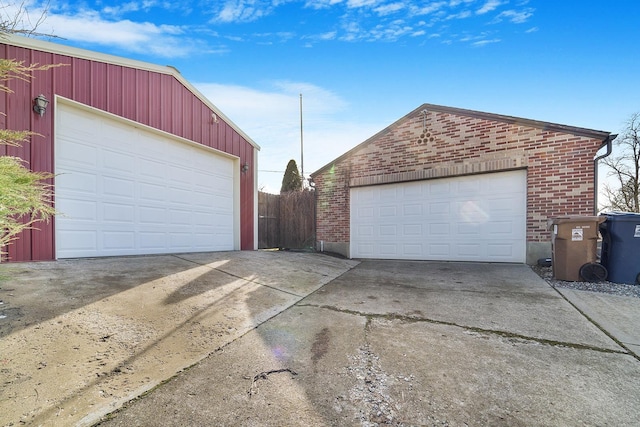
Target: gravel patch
[{"x": 603, "y": 287}]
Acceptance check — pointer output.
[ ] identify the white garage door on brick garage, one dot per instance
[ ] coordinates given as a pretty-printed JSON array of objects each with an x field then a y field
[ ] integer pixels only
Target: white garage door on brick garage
[
  {"x": 125, "y": 190},
  {"x": 470, "y": 218}
]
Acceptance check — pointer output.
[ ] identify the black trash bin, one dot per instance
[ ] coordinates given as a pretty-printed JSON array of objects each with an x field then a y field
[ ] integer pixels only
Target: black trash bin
[{"x": 621, "y": 247}]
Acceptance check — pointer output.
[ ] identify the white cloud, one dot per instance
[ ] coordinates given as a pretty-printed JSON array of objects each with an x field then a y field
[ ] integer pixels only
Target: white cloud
[
  {"x": 271, "y": 117},
  {"x": 481, "y": 43},
  {"x": 514, "y": 16},
  {"x": 428, "y": 9},
  {"x": 489, "y": 6},
  {"x": 132, "y": 6},
  {"x": 357, "y": 21},
  {"x": 321, "y": 4},
  {"x": 460, "y": 15},
  {"x": 91, "y": 27},
  {"x": 328, "y": 36},
  {"x": 361, "y": 3},
  {"x": 454, "y": 3},
  {"x": 390, "y": 8},
  {"x": 243, "y": 10},
  {"x": 140, "y": 37}
]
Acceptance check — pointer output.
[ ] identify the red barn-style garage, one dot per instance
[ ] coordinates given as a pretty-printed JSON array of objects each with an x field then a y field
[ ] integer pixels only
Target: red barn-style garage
[
  {"x": 144, "y": 163},
  {"x": 450, "y": 184}
]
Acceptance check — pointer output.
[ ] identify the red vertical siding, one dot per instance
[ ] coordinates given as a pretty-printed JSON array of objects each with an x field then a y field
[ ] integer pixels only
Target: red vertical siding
[
  {"x": 154, "y": 99},
  {"x": 3, "y": 104},
  {"x": 142, "y": 96},
  {"x": 115, "y": 90},
  {"x": 42, "y": 153},
  {"x": 129, "y": 100},
  {"x": 77, "y": 81},
  {"x": 98, "y": 86},
  {"x": 20, "y": 102}
]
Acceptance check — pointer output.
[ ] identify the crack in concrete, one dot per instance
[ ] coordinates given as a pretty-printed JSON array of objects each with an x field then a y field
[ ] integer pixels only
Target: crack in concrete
[
  {"x": 370, "y": 392},
  {"x": 504, "y": 334},
  {"x": 596, "y": 324},
  {"x": 264, "y": 376}
]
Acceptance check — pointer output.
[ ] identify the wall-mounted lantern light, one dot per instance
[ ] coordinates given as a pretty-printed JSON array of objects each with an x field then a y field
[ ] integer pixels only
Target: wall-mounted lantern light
[
  {"x": 40, "y": 104},
  {"x": 245, "y": 168}
]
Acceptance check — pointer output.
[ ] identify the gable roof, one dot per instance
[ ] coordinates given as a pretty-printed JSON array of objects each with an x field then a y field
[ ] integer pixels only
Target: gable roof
[
  {"x": 55, "y": 48},
  {"x": 547, "y": 126}
]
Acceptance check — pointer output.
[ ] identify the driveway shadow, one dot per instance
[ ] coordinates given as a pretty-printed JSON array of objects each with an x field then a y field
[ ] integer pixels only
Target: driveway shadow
[
  {"x": 80, "y": 359},
  {"x": 35, "y": 292}
]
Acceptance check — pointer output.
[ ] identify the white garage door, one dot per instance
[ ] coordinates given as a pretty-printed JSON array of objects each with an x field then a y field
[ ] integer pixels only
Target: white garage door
[
  {"x": 123, "y": 189},
  {"x": 472, "y": 218}
]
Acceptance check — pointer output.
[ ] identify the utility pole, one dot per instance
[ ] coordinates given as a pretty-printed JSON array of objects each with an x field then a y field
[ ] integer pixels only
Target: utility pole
[{"x": 301, "y": 143}]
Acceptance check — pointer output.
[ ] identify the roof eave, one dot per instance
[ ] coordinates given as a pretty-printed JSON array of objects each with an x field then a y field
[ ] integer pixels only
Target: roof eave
[
  {"x": 55, "y": 48},
  {"x": 547, "y": 126}
]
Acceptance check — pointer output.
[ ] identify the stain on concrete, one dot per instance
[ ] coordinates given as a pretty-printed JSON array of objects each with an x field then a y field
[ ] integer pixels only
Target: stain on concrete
[{"x": 320, "y": 345}]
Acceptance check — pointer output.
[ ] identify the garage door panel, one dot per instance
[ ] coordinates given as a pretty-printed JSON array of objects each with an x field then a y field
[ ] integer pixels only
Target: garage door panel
[
  {"x": 438, "y": 251},
  {"x": 412, "y": 230},
  {"x": 388, "y": 211},
  {"x": 78, "y": 183},
  {"x": 151, "y": 215},
  {"x": 152, "y": 240},
  {"x": 412, "y": 210},
  {"x": 438, "y": 208},
  {"x": 496, "y": 228},
  {"x": 78, "y": 153},
  {"x": 468, "y": 251},
  {"x": 129, "y": 191},
  {"x": 180, "y": 175},
  {"x": 118, "y": 240},
  {"x": 152, "y": 192},
  {"x": 119, "y": 162},
  {"x": 151, "y": 170},
  {"x": 468, "y": 230},
  {"x": 500, "y": 250},
  {"x": 438, "y": 188},
  {"x": 439, "y": 229},
  {"x": 117, "y": 188},
  {"x": 469, "y": 187},
  {"x": 118, "y": 212},
  {"x": 464, "y": 218}
]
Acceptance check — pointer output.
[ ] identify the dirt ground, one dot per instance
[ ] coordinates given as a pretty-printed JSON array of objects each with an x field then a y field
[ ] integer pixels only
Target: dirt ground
[{"x": 78, "y": 338}]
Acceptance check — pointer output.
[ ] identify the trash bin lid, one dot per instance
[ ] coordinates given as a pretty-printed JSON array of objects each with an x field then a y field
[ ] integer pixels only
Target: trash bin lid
[
  {"x": 574, "y": 218},
  {"x": 621, "y": 216}
]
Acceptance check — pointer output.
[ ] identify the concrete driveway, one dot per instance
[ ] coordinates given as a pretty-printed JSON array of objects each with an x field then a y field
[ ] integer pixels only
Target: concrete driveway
[
  {"x": 381, "y": 343},
  {"x": 410, "y": 343},
  {"x": 78, "y": 338}
]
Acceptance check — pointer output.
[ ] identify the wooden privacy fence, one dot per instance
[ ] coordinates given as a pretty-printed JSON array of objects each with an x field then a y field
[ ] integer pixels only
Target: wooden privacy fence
[{"x": 286, "y": 221}]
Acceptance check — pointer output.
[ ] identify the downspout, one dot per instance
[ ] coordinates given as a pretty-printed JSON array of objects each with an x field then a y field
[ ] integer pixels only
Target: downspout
[
  {"x": 312, "y": 184},
  {"x": 609, "y": 142}
]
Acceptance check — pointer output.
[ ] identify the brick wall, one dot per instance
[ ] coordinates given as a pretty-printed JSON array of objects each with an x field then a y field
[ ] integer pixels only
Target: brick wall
[{"x": 560, "y": 173}]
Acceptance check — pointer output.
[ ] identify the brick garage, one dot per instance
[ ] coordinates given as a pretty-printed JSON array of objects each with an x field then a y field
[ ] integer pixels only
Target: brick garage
[{"x": 366, "y": 198}]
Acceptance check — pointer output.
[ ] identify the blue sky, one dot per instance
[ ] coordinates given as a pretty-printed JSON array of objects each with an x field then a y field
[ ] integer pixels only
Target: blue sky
[{"x": 362, "y": 64}]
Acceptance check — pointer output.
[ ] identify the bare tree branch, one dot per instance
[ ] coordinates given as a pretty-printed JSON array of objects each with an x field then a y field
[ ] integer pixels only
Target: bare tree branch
[
  {"x": 15, "y": 19},
  {"x": 625, "y": 168}
]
